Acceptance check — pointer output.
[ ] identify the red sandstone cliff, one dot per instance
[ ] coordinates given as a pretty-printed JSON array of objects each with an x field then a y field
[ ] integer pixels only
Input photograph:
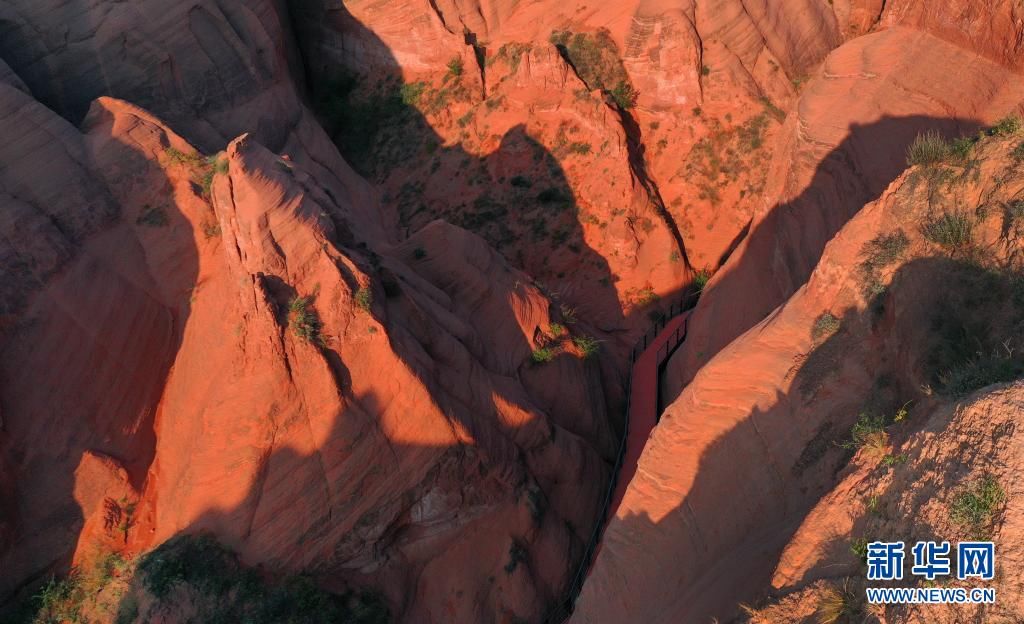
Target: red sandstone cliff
[{"x": 312, "y": 277}]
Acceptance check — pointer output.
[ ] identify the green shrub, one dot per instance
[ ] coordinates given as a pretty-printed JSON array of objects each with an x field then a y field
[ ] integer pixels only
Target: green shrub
[
  {"x": 961, "y": 148},
  {"x": 885, "y": 249},
  {"x": 211, "y": 229},
  {"x": 588, "y": 345},
  {"x": 952, "y": 230},
  {"x": 455, "y": 67},
  {"x": 579, "y": 148},
  {"x": 59, "y": 601},
  {"x": 878, "y": 253},
  {"x": 178, "y": 157},
  {"x": 304, "y": 321},
  {"x": 1006, "y": 126},
  {"x": 556, "y": 329},
  {"x": 646, "y": 296},
  {"x": 624, "y": 94},
  {"x": 976, "y": 506},
  {"x": 419, "y": 253},
  {"x": 1018, "y": 152},
  {"x": 701, "y": 279},
  {"x": 859, "y": 547},
  {"x": 411, "y": 92},
  {"x": 206, "y": 181},
  {"x": 520, "y": 182},
  {"x": 865, "y": 431},
  {"x": 542, "y": 355},
  {"x": 364, "y": 298},
  {"x": 825, "y": 325},
  {"x": 928, "y": 149},
  {"x": 892, "y": 460}
]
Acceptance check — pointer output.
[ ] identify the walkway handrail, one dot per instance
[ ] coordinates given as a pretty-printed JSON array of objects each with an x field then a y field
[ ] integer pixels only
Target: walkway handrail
[{"x": 561, "y": 612}]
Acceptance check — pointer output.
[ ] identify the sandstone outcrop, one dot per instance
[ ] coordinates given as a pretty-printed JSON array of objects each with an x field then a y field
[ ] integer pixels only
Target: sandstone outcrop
[{"x": 886, "y": 328}]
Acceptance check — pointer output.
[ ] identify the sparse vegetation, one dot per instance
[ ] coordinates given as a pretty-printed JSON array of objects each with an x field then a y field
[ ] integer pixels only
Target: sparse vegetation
[
  {"x": 825, "y": 325},
  {"x": 953, "y": 231},
  {"x": 890, "y": 460},
  {"x": 873, "y": 504},
  {"x": 879, "y": 253},
  {"x": 210, "y": 228},
  {"x": 984, "y": 369},
  {"x": 455, "y": 67},
  {"x": 178, "y": 157},
  {"x": 595, "y": 57},
  {"x": 838, "y": 604},
  {"x": 542, "y": 355},
  {"x": 975, "y": 507},
  {"x": 556, "y": 329},
  {"x": 410, "y": 93},
  {"x": 69, "y": 599},
  {"x": 204, "y": 169},
  {"x": 512, "y": 53},
  {"x": 859, "y": 548},
  {"x": 364, "y": 298},
  {"x": 1006, "y": 126},
  {"x": 929, "y": 148},
  {"x": 728, "y": 155},
  {"x": 701, "y": 279},
  {"x": 624, "y": 94},
  {"x": 303, "y": 320},
  {"x": 868, "y": 430},
  {"x": 646, "y": 296},
  {"x": 588, "y": 345},
  {"x": 227, "y": 592}
]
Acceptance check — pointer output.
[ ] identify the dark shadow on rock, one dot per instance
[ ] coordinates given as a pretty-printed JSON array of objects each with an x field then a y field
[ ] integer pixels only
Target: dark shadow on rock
[
  {"x": 782, "y": 249},
  {"x": 935, "y": 333},
  {"x": 83, "y": 366}
]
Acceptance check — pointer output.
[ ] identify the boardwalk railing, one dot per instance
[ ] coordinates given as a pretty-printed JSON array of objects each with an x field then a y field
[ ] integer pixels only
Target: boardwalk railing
[{"x": 561, "y": 612}]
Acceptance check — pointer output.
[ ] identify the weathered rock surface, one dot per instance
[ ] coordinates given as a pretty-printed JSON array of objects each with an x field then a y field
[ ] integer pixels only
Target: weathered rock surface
[
  {"x": 846, "y": 142},
  {"x": 743, "y": 455},
  {"x": 334, "y": 372}
]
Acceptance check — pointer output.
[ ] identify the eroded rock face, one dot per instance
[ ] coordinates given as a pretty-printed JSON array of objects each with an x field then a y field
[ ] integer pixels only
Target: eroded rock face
[
  {"x": 335, "y": 372},
  {"x": 845, "y": 143},
  {"x": 744, "y": 454},
  {"x": 233, "y": 345}
]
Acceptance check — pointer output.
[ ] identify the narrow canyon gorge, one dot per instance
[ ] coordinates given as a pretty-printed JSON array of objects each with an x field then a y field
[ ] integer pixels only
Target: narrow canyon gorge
[{"x": 507, "y": 311}]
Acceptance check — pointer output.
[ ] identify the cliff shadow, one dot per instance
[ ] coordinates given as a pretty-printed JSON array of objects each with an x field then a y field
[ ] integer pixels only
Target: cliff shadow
[
  {"x": 83, "y": 367},
  {"x": 780, "y": 251},
  {"x": 937, "y": 332}
]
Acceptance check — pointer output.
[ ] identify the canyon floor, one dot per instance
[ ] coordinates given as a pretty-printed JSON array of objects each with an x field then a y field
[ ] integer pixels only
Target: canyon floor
[{"x": 328, "y": 311}]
